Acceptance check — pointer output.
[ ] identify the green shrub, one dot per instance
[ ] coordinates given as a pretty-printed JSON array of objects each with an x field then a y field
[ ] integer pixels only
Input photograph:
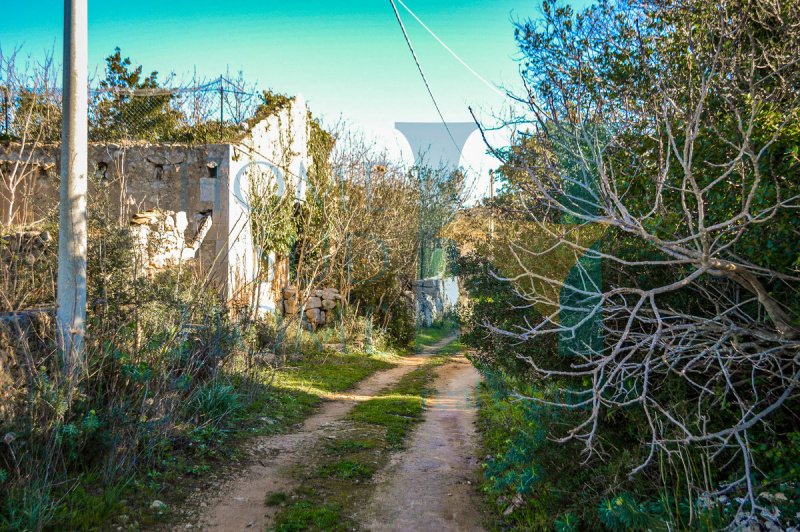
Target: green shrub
[{"x": 213, "y": 401}]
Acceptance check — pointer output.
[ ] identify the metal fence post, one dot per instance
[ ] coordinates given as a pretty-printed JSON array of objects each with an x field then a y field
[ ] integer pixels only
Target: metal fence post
[
  {"x": 221, "y": 103},
  {"x": 6, "y": 109}
]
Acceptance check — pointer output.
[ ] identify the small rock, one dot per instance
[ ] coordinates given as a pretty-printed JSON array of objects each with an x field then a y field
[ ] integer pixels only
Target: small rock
[{"x": 158, "y": 505}]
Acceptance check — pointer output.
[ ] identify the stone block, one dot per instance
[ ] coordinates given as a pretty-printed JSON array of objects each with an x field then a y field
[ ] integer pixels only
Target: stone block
[
  {"x": 181, "y": 222},
  {"x": 290, "y": 293},
  {"x": 313, "y": 315},
  {"x": 313, "y": 302},
  {"x": 328, "y": 304},
  {"x": 331, "y": 293}
]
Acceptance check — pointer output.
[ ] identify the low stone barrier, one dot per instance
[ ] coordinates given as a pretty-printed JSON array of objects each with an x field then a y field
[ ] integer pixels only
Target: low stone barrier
[{"x": 318, "y": 307}]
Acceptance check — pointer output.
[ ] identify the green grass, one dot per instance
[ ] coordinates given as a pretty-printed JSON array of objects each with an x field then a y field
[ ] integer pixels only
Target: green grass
[
  {"x": 306, "y": 516},
  {"x": 271, "y": 406},
  {"x": 341, "y": 474},
  {"x": 453, "y": 348},
  {"x": 429, "y": 336},
  {"x": 346, "y": 469},
  {"x": 349, "y": 446},
  {"x": 276, "y": 498},
  {"x": 332, "y": 373}
]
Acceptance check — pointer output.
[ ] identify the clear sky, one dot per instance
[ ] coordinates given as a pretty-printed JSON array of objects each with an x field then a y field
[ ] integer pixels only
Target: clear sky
[{"x": 347, "y": 58}]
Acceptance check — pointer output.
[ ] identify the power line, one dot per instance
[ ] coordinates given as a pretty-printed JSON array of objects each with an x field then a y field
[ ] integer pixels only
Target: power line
[
  {"x": 422, "y": 73},
  {"x": 458, "y": 58}
]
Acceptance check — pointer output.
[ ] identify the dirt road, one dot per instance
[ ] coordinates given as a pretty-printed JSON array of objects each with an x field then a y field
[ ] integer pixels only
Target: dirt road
[
  {"x": 239, "y": 503},
  {"x": 431, "y": 485}
]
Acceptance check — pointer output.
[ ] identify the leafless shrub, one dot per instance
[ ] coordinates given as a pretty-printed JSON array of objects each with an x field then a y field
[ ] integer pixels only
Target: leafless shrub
[{"x": 657, "y": 159}]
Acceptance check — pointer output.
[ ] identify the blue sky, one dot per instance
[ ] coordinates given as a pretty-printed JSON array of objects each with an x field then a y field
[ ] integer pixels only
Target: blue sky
[{"x": 347, "y": 58}]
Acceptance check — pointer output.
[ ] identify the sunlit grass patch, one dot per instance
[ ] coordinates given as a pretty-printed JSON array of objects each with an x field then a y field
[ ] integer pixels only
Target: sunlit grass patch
[
  {"x": 429, "y": 336},
  {"x": 335, "y": 372},
  {"x": 275, "y": 498},
  {"x": 349, "y": 446},
  {"x": 346, "y": 469},
  {"x": 453, "y": 348},
  {"x": 307, "y": 516},
  {"x": 398, "y": 413}
]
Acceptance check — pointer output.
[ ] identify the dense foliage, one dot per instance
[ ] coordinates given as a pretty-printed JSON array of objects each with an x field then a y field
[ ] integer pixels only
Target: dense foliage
[{"x": 638, "y": 292}]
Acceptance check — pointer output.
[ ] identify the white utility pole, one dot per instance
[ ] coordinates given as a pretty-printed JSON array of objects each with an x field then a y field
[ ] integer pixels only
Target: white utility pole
[{"x": 72, "y": 239}]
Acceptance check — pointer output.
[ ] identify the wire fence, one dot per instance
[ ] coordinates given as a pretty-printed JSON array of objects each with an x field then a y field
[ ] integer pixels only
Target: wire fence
[{"x": 210, "y": 112}]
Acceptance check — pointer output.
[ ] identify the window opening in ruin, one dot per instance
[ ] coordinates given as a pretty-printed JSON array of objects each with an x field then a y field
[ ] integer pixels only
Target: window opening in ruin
[
  {"x": 102, "y": 170},
  {"x": 212, "y": 170}
]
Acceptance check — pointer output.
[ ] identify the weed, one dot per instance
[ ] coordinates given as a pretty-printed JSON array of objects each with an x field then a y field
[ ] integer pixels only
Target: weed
[
  {"x": 306, "y": 516},
  {"x": 349, "y": 446},
  {"x": 346, "y": 469},
  {"x": 275, "y": 499}
]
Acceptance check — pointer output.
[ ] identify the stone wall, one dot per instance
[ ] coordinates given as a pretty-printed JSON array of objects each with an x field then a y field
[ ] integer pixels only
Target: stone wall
[
  {"x": 136, "y": 178},
  {"x": 161, "y": 239},
  {"x": 318, "y": 309},
  {"x": 204, "y": 189},
  {"x": 435, "y": 296}
]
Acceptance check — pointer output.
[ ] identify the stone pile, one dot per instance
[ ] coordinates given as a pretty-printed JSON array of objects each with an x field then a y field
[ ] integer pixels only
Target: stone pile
[
  {"x": 318, "y": 307},
  {"x": 25, "y": 246},
  {"x": 160, "y": 238}
]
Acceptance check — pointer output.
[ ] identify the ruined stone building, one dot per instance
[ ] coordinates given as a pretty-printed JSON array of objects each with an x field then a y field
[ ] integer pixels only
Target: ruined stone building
[{"x": 186, "y": 203}]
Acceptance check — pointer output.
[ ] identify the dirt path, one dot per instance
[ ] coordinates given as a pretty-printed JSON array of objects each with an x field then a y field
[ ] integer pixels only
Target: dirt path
[
  {"x": 239, "y": 504},
  {"x": 431, "y": 485}
]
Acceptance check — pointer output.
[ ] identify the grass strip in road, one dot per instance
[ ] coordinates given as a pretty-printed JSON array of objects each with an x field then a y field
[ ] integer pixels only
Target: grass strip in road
[
  {"x": 339, "y": 481},
  {"x": 429, "y": 336}
]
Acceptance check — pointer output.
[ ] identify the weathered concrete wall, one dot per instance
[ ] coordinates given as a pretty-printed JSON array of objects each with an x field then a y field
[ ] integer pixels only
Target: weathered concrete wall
[
  {"x": 273, "y": 154},
  {"x": 206, "y": 180},
  {"x": 136, "y": 178}
]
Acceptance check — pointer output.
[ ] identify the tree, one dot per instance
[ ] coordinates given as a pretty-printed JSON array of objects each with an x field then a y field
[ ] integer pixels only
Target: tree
[
  {"x": 132, "y": 105},
  {"x": 662, "y": 140}
]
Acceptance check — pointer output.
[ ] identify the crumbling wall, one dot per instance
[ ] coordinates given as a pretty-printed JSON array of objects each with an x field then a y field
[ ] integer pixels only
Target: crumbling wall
[
  {"x": 209, "y": 183},
  {"x": 273, "y": 153},
  {"x": 140, "y": 178},
  {"x": 434, "y": 298},
  {"x": 161, "y": 239}
]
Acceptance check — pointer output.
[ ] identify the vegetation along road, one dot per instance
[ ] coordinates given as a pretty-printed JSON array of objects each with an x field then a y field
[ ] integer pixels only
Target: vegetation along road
[{"x": 342, "y": 468}]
